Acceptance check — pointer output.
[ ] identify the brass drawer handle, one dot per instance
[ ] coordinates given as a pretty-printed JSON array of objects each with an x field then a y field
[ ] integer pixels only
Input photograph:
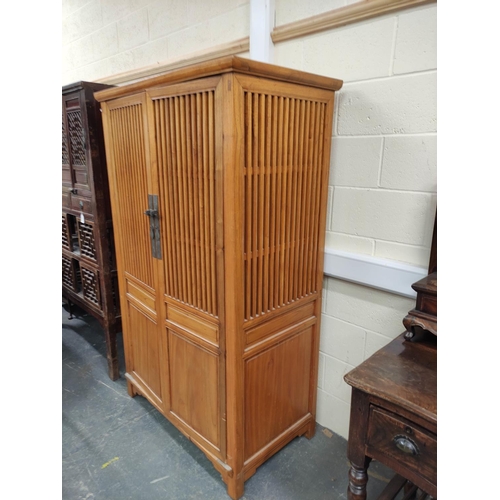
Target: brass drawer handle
[{"x": 405, "y": 444}]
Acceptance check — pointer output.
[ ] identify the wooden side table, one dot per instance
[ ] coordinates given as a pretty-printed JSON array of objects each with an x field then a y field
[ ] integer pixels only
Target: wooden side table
[{"x": 394, "y": 417}]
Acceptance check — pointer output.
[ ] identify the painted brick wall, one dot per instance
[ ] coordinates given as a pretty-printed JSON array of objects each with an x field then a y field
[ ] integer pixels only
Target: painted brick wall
[
  {"x": 106, "y": 37},
  {"x": 382, "y": 187}
]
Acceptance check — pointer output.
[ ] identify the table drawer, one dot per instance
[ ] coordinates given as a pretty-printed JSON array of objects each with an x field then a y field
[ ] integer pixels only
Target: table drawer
[{"x": 401, "y": 444}]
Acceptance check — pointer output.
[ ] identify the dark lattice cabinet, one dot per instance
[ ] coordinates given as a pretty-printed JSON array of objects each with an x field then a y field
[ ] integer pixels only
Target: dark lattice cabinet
[{"x": 88, "y": 256}]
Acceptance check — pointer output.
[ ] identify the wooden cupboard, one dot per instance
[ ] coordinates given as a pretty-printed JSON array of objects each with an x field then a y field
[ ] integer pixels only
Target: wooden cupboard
[
  {"x": 89, "y": 276},
  {"x": 218, "y": 177}
]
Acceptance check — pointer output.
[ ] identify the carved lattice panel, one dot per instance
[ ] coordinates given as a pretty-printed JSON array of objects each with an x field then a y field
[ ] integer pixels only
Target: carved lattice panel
[
  {"x": 76, "y": 137},
  {"x": 71, "y": 276},
  {"x": 65, "y": 238},
  {"x": 186, "y": 156},
  {"x": 90, "y": 285},
  {"x": 65, "y": 152},
  {"x": 87, "y": 241},
  {"x": 68, "y": 275},
  {"x": 283, "y": 158}
]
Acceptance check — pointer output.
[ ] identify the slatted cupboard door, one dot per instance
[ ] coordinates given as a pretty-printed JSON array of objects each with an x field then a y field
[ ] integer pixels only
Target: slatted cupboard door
[
  {"x": 131, "y": 181},
  {"x": 219, "y": 187},
  {"x": 184, "y": 147}
]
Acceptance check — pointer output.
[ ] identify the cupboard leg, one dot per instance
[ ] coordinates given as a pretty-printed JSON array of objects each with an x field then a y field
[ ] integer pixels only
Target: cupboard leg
[
  {"x": 358, "y": 477},
  {"x": 70, "y": 309},
  {"x": 131, "y": 390},
  {"x": 235, "y": 487},
  {"x": 311, "y": 430},
  {"x": 111, "y": 353}
]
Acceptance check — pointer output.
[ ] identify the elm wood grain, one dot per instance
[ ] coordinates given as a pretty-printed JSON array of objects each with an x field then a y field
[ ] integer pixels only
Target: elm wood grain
[
  {"x": 89, "y": 269},
  {"x": 238, "y": 154},
  {"x": 394, "y": 394}
]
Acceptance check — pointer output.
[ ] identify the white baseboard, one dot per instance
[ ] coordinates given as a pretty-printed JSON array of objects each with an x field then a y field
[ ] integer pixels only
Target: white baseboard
[{"x": 383, "y": 274}]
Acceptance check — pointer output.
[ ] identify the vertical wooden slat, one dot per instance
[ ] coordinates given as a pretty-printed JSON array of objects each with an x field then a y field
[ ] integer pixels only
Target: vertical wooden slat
[
  {"x": 188, "y": 171},
  {"x": 299, "y": 166},
  {"x": 211, "y": 157},
  {"x": 317, "y": 179},
  {"x": 302, "y": 200},
  {"x": 206, "y": 196},
  {"x": 201, "y": 204},
  {"x": 180, "y": 201},
  {"x": 290, "y": 205},
  {"x": 272, "y": 121},
  {"x": 161, "y": 153},
  {"x": 260, "y": 222},
  {"x": 255, "y": 156},
  {"x": 311, "y": 161},
  {"x": 278, "y": 216},
  {"x": 266, "y": 201},
  {"x": 172, "y": 187},
  {"x": 169, "y": 190},
  {"x": 248, "y": 206},
  {"x": 284, "y": 199}
]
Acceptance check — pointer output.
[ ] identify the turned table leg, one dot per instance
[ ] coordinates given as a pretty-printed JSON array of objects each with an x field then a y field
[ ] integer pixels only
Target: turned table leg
[
  {"x": 358, "y": 477},
  {"x": 358, "y": 427}
]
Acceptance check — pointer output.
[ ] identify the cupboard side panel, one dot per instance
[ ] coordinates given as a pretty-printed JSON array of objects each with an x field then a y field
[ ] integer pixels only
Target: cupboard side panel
[{"x": 276, "y": 390}]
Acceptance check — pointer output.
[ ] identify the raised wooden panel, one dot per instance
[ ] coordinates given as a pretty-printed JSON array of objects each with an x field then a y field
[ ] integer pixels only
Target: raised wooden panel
[
  {"x": 282, "y": 175},
  {"x": 130, "y": 177},
  {"x": 143, "y": 298},
  {"x": 185, "y": 151},
  {"x": 280, "y": 322},
  {"x": 193, "y": 324},
  {"x": 276, "y": 390},
  {"x": 146, "y": 349},
  {"x": 194, "y": 387}
]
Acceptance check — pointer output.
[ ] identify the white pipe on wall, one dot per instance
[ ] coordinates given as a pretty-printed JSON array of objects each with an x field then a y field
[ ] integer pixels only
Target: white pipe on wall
[
  {"x": 383, "y": 274},
  {"x": 261, "y": 27}
]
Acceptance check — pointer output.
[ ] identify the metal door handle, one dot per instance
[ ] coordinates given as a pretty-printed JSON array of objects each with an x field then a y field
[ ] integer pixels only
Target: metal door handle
[
  {"x": 154, "y": 225},
  {"x": 405, "y": 444}
]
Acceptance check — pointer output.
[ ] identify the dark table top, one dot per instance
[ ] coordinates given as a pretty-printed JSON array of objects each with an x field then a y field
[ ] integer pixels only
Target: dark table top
[{"x": 403, "y": 373}]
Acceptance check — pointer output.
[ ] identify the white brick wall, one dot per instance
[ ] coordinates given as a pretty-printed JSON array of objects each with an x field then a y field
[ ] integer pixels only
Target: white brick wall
[
  {"x": 356, "y": 322},
  {"x": 105, "y": 37},
  {"x": 383, "y": 183}
]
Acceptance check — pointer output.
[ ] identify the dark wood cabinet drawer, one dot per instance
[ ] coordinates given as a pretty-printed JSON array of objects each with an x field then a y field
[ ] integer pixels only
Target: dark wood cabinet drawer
[
  {"x": 393, "y": 439},
  {"x": 81, "y": 204}
]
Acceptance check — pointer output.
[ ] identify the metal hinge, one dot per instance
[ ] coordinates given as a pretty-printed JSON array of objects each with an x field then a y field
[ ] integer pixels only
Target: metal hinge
[{"x": 154, "y": 225}]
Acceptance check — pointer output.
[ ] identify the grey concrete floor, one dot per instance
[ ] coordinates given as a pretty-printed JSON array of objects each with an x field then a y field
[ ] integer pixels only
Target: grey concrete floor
[{"x": 119, "y": 448}]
